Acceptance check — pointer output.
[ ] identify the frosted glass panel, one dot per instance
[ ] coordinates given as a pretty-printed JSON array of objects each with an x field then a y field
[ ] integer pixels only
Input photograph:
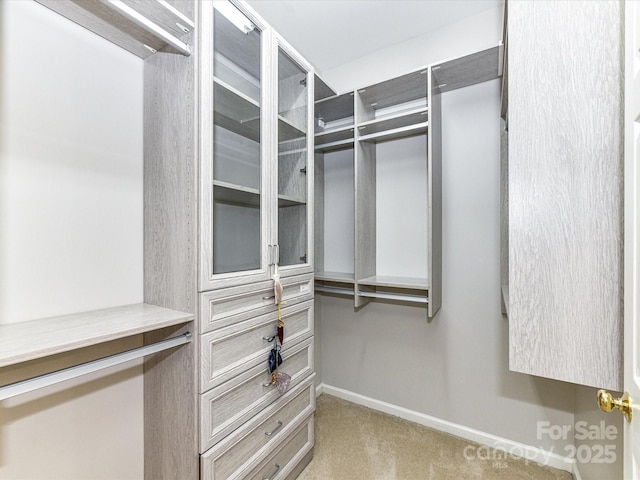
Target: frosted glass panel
[
  {"x": 237, "y": 163},
  {"x": 292, "y": 161}
]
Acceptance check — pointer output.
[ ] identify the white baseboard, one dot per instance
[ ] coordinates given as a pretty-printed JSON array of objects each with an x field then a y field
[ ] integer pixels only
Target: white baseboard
[
  {"x": 576, "y": 472},
  {"x": 503, "y": 444}
]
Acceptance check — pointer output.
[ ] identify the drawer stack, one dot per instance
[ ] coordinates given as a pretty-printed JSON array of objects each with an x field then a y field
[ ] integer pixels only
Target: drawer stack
[{"x": 248, "y": 429}]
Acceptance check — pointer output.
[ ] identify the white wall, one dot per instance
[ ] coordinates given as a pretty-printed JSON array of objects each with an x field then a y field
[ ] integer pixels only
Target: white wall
[
  {"x": 455, "y": 367},
  {"x": 70, "y": 236},
  {"x": 470, "y": 35}
]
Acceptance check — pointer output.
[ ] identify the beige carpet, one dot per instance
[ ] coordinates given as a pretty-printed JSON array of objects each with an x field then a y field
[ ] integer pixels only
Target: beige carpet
[{"x": 354, "y": 442}]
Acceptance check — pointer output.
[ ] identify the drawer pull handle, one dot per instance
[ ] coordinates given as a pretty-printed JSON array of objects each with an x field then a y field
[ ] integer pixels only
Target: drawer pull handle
[
  {"x": 268, "y": 297},
  {"x": 273, "y": 474},
  {"x": 268, "y": 434},
  {"x": 270, "y": 384},
  {"x": 269, "y": 339}
]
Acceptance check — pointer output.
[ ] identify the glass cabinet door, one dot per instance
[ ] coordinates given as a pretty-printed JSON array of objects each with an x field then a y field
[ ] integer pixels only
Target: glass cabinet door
[
  {"x": 239, "y": 204},
  {"x": 293, "y": 161}
]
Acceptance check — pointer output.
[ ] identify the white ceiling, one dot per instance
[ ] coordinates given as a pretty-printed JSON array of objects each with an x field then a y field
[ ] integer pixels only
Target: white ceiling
[{"x": 329, "y": 33}]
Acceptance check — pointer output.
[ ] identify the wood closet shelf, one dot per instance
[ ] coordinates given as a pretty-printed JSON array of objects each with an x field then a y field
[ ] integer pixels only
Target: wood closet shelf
[
  {"x": 411, "y": 283},
  {"x": 24, "y": 341},
  {"x": 337, "y": 277},
  {"x": 108, "y": 20}
]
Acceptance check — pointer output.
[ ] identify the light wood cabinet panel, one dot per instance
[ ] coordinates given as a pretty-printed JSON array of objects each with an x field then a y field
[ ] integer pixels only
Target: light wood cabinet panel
[
  {"x": 232, "y": 457},
  {"x": 225, "y": 352},
  {"x": 223, "y": 307},
  {"x": 230, "y": 405},
  {"x": 289, "y": 456},
  {"x": 565, "y": 190}
]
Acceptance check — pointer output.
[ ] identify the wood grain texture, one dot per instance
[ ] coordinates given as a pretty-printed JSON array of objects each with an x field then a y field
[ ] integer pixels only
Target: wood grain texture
[
  {"x": 434, "y": 196},
  {"x": 335, "y": 108},
  {"x": 288, "y": 456},
  {"x": 171, "y": 422},
  {"x": 224, "y": 353},
  {"x": 109, "y": 24},
  {"x": 565, "y": 191},
  {"x": 170, "y": 269},
  {"x": 365, "y": 215},
  {"x": 223, "y": 307},
  {"x": 395, "y": 282},
  {"x": 322, "y": 90},
  {"x": 24, "y": 341},
  {"x": 227, "y": 407},
  {"x": 247, "y": 446},
  {"x": 468, "y": 70},
  {"x": 397, "y": 90},
  {"x": 504, "y": 214},
  {"x": 318, "y": 212}
]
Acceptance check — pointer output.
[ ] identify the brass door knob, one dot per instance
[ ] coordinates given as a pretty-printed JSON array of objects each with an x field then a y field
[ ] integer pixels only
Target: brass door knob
[{"x": 607, "y": 403}]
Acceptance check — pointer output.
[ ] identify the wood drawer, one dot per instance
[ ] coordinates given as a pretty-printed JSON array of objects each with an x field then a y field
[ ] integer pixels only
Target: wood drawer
[
  {"x": 226, "y": 351},
  {"x": 228, "y": 406},
  {"x": 231, "y": 458},
  {"x": 220, "y": 308},
  {"x": 287, "y": 455}
]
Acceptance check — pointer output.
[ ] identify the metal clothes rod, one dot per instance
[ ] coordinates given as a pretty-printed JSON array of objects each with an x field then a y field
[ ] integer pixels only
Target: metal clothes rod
[
  {"x": 52, "y": 378},
  {"x": 149, "y": 26},
  {"x": 393, "y": 131},
  {"x": 393, "y": 296},
  {"x": 339, "y": 291}
]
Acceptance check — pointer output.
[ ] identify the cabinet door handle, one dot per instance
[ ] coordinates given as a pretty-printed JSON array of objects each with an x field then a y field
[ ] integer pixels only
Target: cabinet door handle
[
  {"x": 269, "y": 339},
  {"x": 268, "y": 384},
  {"x": 273, "y": 474},
  {"x": 268, "y": 434}
]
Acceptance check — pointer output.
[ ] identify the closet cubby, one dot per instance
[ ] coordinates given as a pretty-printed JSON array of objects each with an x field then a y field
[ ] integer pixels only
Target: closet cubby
[
  {"x": 335, "y": 194},
  {"x": 394, "y": 194},
  {"x": 393, "y": 109},
  {"x": 379, "y": 184}
]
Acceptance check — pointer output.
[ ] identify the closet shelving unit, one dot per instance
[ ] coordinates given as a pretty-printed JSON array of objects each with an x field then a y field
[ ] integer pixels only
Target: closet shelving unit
[
  {"x": 334, "y": 180},
  {"x": 142, "y": 28},
  {"x": 166, "y": 325},
  {"x": 392, "y": 111},
  {"x": 372, "y": 124}
]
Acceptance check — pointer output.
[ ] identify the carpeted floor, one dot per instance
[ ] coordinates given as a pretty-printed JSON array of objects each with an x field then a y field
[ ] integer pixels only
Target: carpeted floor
[{"x": 357, "y": 443}]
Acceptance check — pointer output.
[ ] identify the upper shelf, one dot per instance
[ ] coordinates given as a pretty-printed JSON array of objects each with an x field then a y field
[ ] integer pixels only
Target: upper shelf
[
  {"x": 24, "y": 341},
  {"x": 334, "y": 108},
  {"x": 399, "y": 90},
  {"x": 141, "y": 27},
  {"x": 468, "y": 70}
]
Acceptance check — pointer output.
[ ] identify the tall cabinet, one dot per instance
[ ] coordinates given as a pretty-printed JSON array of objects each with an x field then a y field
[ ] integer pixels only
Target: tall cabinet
[
  {"x": 565, "y": 190},
  {"x": 228, "y": 201}
]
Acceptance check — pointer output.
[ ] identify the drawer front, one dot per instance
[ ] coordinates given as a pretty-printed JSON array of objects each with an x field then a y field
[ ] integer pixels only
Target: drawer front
[
  {"x": 231, "y": 458},
  {"x": 225, "y": 352},
  {"x": 287, "y": 456},
  {"x": 228, "y": 406},
  {"x": 220, "y": 308}
]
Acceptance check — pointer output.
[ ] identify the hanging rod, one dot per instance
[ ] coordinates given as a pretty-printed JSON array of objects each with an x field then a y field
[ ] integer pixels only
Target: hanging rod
[
  {"x": 41, "y": 381},
  {"x": 336, "y": 290},
  {"x": 142, "y": 21},
  {"x": 395, "y": 296}
]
